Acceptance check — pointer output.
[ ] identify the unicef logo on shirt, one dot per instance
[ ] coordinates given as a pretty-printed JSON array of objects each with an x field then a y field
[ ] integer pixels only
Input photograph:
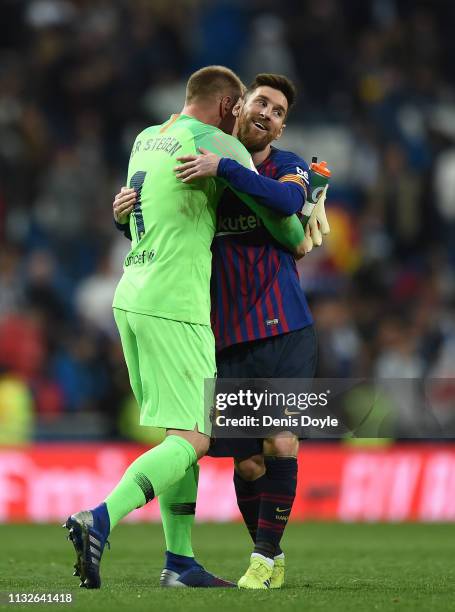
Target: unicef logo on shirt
[{"x": 140, "y": 259}]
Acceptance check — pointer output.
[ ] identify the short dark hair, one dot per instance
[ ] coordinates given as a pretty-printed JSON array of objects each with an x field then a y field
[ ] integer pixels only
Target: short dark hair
[
  {"x": 211, "y": 81},
  {"x": 275, "y": 81}
]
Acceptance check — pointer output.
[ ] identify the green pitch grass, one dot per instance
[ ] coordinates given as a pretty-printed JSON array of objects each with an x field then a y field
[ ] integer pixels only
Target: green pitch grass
[{"x": 331, "y": 568}]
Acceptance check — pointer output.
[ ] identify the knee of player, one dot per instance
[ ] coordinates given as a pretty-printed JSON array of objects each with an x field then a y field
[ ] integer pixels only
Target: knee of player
[
  {"x": 283, "y": 445},
  {"x": 201, "y": 445},
  {"x": 251, "y": 468}
]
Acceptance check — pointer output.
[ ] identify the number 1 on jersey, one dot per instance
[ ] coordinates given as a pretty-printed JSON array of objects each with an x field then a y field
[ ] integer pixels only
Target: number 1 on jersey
[{"x": 136, "y": 182}]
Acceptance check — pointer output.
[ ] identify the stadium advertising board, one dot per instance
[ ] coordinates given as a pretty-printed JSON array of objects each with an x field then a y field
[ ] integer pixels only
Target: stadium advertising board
[{"x": 45, "y": 483}]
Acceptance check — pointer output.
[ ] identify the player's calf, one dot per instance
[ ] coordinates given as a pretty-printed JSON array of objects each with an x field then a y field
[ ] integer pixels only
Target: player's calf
[{"x": 277, "y": 498}]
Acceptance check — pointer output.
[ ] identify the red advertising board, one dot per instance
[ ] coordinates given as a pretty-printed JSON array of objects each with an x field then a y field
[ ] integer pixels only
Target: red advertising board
[{"x": 45, "y": 483}]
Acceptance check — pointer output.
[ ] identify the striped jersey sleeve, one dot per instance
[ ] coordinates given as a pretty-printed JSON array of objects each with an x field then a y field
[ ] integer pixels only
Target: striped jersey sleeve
[{"x": 295, "y": 170}]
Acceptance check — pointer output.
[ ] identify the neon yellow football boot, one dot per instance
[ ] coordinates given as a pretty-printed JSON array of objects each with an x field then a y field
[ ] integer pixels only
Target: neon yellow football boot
[
  {"x": 257, "y": 576},
  {"x": 277, "y": 579}
]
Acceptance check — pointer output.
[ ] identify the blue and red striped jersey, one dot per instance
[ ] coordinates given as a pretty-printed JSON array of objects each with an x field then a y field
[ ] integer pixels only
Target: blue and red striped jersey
[{"x": 256, "y": 291}]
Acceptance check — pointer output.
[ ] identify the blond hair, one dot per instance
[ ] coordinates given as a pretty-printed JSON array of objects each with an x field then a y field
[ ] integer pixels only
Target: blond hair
[{"x": 213, "y": 81}]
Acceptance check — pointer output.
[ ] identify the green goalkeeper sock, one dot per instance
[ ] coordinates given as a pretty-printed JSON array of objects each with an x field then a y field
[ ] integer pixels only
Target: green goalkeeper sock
[
  {"x": 149, "y": 476},
  {"x": 178, "y": 507}
]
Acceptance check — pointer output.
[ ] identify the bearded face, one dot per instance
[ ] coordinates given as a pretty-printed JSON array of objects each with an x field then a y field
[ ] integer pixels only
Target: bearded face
[{"x": 261, "y": 119}]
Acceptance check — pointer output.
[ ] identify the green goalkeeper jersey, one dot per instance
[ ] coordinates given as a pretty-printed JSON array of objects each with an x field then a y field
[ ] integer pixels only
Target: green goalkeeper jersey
[{"x": 167, "y": 271}]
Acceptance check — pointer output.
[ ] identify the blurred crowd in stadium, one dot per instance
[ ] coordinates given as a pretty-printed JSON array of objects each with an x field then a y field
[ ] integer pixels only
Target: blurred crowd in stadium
[{"x": 78, "y": 80}]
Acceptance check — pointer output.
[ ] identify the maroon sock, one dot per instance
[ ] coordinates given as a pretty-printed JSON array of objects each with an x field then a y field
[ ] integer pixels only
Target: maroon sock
[
  {"x": 278, "y": 494},
  {"x": 248, "y": 494}
]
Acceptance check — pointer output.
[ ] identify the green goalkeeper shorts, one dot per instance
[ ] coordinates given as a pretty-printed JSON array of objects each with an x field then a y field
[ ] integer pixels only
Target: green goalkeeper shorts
[{"x": 167, "y": 362}]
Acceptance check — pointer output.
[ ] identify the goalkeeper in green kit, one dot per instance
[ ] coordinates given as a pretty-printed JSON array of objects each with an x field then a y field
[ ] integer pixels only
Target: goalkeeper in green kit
[{"x": 162, "y": 302}]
